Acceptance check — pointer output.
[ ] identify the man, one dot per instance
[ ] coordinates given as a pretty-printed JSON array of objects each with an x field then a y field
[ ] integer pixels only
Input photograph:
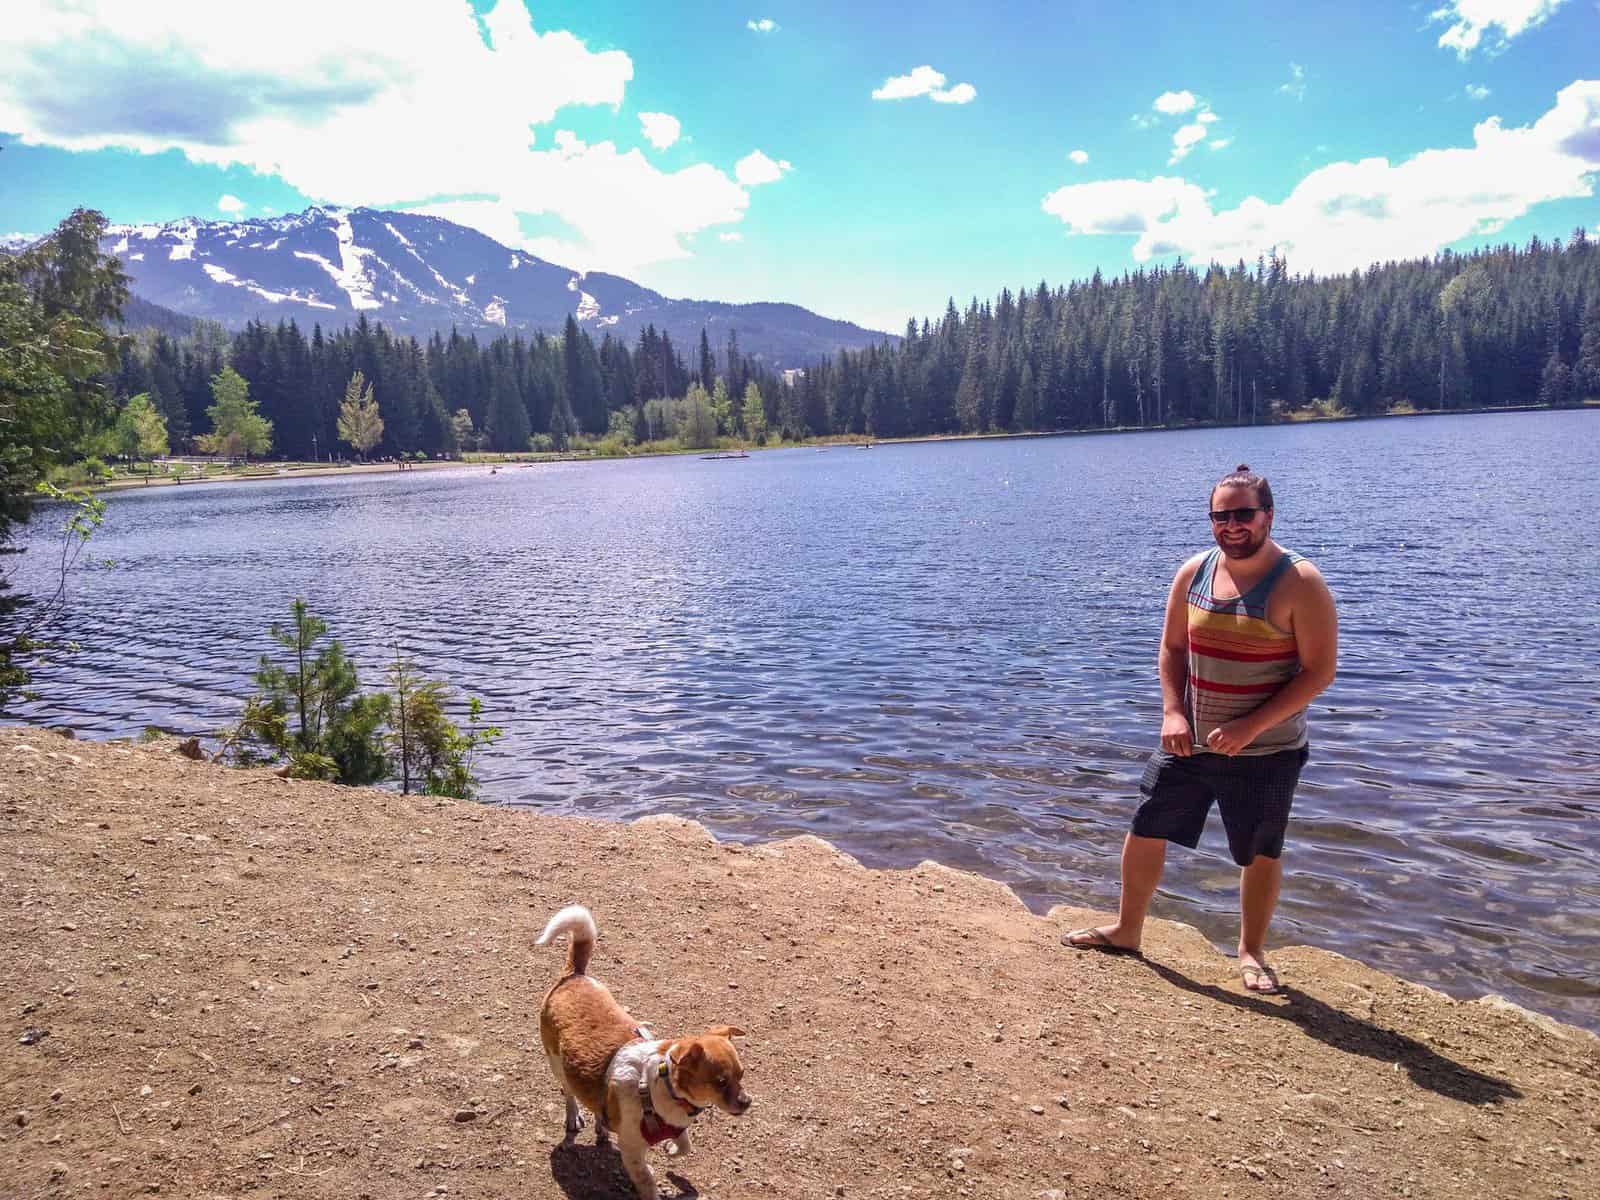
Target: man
[{"x": 1250, "y": 640}]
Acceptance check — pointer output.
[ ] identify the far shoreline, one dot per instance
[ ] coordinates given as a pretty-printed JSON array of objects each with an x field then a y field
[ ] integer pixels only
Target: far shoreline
[
  {"x": 1301, "y": 418},
  {"x": 494, "y": 459},
  {"x": 278, "y": 474}
]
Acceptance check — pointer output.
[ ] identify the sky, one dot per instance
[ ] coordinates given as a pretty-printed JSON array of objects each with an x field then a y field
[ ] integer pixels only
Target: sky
[{"x": 868, "y": 161}]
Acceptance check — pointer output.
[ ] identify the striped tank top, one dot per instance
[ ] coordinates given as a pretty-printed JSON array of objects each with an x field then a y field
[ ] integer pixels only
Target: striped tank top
[{"x": 1237, "y": 659}]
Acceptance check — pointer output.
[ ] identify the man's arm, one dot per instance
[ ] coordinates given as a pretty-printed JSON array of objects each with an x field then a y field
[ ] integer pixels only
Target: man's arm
[
  {"x": 1173, "y": 664},
  {"x": 1316, "y": 633}
]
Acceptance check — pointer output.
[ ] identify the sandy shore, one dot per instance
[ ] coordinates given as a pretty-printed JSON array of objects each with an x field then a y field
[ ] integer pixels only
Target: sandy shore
[
  {"x": 267, "y": 474},
  {"x": 220, "y": 982}
]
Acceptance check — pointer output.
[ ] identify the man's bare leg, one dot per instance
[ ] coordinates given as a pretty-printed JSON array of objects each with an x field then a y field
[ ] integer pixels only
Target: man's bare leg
[
  {"x": 1259, "y": 884},
  {"x": 1142, "y": 861}
]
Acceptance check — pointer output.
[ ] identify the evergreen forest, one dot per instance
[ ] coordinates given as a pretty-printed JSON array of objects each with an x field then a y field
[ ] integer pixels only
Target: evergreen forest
[{"x": 1169, "y": 346}]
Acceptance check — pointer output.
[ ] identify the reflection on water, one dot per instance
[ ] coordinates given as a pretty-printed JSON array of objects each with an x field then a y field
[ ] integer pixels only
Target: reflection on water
[{"x": 948, "y": 651}]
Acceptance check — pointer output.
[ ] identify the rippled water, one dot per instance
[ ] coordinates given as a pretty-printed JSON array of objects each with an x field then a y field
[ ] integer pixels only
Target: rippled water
[{"x": 948, "y": 651}]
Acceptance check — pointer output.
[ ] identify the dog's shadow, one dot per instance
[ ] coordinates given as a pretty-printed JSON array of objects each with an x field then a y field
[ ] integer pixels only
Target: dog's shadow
[{"x": 585, "y": 1171}]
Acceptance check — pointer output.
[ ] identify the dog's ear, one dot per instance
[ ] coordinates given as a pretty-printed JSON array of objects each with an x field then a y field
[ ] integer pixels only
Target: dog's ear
[
  {"x": 692, "y": 1056},
  {"x": 725, "y": 1031}
]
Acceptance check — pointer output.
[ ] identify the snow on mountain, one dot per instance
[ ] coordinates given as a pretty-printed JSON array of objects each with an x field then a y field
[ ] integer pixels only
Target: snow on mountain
[{"x": 419, "y": 274}]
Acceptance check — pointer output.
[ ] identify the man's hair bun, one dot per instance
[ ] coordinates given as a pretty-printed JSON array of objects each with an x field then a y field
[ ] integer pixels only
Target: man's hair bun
[{"x": 1243, "y": 476}]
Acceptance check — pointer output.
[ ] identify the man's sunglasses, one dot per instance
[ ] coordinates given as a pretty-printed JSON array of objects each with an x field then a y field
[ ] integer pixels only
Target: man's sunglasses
[{"x": 1221, "y": 516}]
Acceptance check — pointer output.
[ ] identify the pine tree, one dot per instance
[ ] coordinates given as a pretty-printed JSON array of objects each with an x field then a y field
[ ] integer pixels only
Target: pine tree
[
  {"x": 721, "y": 405},
  {"x": 1586, "y": 370},
  {"x": 430, "y": 750},
  {"x": 507, "y": 426},
  {"x": 359, "y": 422},
  {"x": 238, "y": 430},
  {"x": 700, "y": 422},
  {"x": 585, "y": 395},
  {"x": 141, "y": 430},
  {"x": 309, "y": 710},
  {"x": 166, "y": 387},
  {"x": 708, "y": 362},
  {"x": 753, "y": 413},
  {"x": 969, "y": 404},
  {"x": 1026, "y": 414},
  {"x": 1555, "y": 382}
]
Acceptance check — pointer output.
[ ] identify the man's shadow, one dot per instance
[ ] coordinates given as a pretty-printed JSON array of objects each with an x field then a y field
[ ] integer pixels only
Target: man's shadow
[
  {"x": 1427, "y": 1068},
  {"x": 585, "y": 1171}
]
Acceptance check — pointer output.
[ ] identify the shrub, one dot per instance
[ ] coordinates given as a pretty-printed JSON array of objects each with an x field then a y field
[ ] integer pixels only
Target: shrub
[
  {"x": 310, "y": 711},
  {"x": 430, "y": 750}
]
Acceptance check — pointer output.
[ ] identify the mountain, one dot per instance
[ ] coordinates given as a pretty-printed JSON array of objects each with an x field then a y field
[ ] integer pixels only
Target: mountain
[
  {"x": 139, "y": 313},
  {"x": 417, "y": 274}
]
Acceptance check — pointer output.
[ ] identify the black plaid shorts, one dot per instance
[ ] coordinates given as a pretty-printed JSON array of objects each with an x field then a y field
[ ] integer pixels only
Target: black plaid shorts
[{"x": 1254, "y": 792}]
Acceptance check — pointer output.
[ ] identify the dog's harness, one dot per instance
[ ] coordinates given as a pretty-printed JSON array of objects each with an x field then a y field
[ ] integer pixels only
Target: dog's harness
[{"x": 653, "y": 1127}]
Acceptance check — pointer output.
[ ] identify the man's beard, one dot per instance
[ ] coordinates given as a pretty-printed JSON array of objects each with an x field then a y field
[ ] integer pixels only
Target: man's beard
[{"x": 1244, "y": 547}]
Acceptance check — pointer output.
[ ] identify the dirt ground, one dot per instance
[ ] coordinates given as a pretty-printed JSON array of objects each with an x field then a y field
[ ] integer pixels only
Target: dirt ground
[{"x": 222, "y": 983}]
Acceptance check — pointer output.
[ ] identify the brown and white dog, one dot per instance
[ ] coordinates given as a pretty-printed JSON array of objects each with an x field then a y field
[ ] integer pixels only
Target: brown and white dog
[{"x": 642, "y": 1089}]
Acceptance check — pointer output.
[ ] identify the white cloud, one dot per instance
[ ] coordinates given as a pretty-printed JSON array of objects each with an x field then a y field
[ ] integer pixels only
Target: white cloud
[
  {"x": 660, "y": 129},
  {"x": 756, "y": 168},
  {"x": 595, "y": 191},
  {"x": 730, "y": 237},
  {"x": 447, "y": 104},
  {"x": 492, "y": 218},
  {"x": 1296, "y": 86},
  {"x": 1220, "y": 143},
  {"x": 1347, "y": 215},
  {"x": 1127, "y": 206},
  {"x": 1184, "y": 140},
  {"x": 924, "y": 81},
  {"x": 1079, "y": 156},
  {"x": 1477, "y": 91},
  {"x": 1192, "y": 132},
  {"x": 763, "y": 25},
  {"x": 229, "y": 203},
  {"x": 962, "y": 93},
  {"x": 1473, "y": 19}
]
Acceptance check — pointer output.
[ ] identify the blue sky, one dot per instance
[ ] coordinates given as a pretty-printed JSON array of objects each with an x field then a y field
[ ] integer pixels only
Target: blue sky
[{"x": 867, "y": 161}]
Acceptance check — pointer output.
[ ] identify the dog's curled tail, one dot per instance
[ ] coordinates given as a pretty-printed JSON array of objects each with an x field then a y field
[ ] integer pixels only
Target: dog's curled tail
[{"x": 579, "y": 922}]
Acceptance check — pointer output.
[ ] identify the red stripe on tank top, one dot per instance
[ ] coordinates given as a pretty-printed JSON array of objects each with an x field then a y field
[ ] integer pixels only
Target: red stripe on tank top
[
  {"x": 1208, "y": 651},
  {"x": 1234, "y": 689}
]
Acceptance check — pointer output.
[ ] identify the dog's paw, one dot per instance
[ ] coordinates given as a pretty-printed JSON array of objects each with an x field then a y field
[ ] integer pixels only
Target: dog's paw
[
  {"x": 680, "y": 1146},
  {"x": 574, "y": 1123}
]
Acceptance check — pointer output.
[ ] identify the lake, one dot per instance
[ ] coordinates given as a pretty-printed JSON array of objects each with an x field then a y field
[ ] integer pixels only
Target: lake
[{"x": 947, "y": 651}]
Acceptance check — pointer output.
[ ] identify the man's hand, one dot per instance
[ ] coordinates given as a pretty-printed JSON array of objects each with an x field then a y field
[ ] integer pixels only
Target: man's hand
[
  {"x": 1176, "y": 736},
  {"x": 1233, "y": 737}
]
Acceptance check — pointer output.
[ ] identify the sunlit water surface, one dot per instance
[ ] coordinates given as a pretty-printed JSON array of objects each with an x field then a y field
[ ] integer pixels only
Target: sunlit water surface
[{"x": 948, "y": 651}]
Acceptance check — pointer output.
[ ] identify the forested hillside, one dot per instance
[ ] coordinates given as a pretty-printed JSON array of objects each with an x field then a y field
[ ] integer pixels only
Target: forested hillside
[{"x": 1507, "y": 326}]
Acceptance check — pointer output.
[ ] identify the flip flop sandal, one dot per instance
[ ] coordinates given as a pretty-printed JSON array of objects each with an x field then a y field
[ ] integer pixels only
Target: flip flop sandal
[
  {"x": 1267, "y": 973},
  {"x": 1097, "y": 941}
]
